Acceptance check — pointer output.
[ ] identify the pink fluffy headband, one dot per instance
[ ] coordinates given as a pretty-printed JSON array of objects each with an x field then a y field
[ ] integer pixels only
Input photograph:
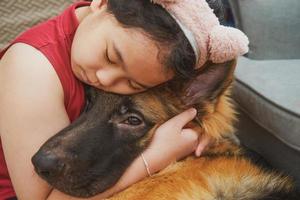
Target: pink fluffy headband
[{"x": 210, "y": 40}]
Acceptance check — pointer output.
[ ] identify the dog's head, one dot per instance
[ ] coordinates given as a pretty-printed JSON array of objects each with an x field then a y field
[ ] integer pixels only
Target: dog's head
[{"x": 91, "y": 154}]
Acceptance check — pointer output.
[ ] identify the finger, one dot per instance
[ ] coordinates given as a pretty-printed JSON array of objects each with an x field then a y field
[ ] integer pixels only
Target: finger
[
  {"x": 190, "y": 136},
  {"x": 182, "y": 119},
  {"x": 204, "y": 141},
  {"x": 188, "y": 143}
]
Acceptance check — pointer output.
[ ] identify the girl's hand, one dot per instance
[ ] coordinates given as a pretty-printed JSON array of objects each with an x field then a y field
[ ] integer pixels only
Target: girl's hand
[{"x": 172, "y": 142}]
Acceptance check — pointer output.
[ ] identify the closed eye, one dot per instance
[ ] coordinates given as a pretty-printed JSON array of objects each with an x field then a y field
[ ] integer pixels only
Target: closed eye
[
  {"x": 134, "y": 86},
  {"x": 107, "y": 56}
]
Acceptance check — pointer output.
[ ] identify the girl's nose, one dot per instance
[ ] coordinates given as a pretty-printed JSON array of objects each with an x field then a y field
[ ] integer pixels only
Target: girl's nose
[{"x": 109, "y": 76}]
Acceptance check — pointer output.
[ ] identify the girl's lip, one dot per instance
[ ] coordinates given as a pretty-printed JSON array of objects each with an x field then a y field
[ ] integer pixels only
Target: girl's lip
[
  {"x": 84, "y": 76},
  {"x": 96, "y": 84},
  {"x": 87, "y": 80}
]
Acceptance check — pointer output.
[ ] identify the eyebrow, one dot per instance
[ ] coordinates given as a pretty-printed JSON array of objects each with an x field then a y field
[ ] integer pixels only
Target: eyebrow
[{"x": 120, "y": 58}]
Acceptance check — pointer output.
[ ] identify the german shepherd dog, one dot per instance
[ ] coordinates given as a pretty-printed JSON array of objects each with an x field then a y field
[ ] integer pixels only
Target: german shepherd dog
[{"x": 90, "y": 155}]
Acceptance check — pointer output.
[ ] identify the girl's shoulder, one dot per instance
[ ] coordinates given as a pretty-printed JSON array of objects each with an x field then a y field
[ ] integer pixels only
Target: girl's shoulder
[
  {"x": 22, "y": 62},
  {"x": 40, "y": 70},
  {"x": 48, "y": 45}
]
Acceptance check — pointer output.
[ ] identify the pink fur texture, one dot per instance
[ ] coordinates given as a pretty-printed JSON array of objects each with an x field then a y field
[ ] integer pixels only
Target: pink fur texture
[
  {"x": 226, "y": 43},
  {"x": 214, "y": 42}
]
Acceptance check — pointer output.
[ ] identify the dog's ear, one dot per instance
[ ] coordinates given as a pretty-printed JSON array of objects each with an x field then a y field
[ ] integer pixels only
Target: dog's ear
[{"x": 208, "y": 84}]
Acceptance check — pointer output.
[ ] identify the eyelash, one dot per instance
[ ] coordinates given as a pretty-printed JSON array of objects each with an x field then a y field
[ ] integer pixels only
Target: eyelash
[
  {"x": 107, "y": 58},
  {"x": 129, "y": 82}
]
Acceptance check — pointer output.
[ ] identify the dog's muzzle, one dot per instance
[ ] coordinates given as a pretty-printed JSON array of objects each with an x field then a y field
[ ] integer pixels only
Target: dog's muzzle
[{"x": 48, "y": 165}]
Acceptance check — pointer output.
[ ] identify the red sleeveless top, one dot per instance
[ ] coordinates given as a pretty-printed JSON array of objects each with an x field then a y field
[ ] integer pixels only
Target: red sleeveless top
[{"x": 53, "y": 38}]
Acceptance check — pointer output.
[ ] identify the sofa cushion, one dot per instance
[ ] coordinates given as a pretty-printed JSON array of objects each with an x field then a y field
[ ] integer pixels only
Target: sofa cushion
[
  {"x": 272, "y": 26},
  {"x": 269, "y": 92}
]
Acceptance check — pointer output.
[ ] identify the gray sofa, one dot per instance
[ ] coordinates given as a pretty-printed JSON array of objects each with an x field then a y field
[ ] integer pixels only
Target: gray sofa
[{"x": 267, "y": 87}]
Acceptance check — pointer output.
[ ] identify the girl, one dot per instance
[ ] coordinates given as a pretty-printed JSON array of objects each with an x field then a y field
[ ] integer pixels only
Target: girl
[{"x": 120, "y": 46}]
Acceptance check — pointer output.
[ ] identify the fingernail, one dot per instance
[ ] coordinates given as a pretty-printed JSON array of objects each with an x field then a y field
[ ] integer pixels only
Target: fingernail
[{"x": 193, "y": 111}]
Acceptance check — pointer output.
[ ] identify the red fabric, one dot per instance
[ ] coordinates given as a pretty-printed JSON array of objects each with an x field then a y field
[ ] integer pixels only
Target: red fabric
[{"x": 53, "y": 38}]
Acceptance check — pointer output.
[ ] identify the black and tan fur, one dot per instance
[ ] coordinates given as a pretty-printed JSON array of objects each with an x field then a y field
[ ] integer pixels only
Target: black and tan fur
[{"x": 90, "y": 155}]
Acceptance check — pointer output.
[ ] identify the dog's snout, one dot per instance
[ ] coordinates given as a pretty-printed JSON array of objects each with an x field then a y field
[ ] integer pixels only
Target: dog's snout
[{"x": 48, "y": 165}]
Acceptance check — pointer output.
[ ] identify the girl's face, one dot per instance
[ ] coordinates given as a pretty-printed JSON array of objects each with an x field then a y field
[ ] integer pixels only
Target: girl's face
[{"x": 109, "y": 57}]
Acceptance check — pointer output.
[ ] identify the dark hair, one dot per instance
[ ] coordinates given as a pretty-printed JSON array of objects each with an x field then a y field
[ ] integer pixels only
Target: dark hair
[{"x": 176, "y": 52}]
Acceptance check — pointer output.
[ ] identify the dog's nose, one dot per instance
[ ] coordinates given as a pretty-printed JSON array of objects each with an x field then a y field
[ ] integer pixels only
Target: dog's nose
[{"x": 48, "y": 165}]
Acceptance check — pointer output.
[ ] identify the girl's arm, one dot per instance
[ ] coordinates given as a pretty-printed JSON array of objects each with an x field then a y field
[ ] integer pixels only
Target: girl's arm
[{"x": 31, "y": 111}]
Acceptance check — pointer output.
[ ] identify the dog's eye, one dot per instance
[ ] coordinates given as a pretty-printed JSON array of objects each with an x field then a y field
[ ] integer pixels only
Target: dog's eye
[{"x": 133, "y": 121}]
